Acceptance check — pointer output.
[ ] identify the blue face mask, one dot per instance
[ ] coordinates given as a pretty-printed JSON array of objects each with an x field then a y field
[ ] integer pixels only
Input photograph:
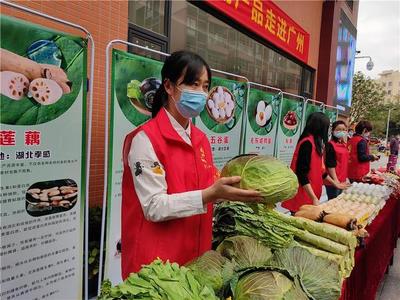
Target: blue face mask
[
  {"x": 191, "y": 103},
  {"x": 339, "y": 134},
  {"x": 365, "y": 136}
]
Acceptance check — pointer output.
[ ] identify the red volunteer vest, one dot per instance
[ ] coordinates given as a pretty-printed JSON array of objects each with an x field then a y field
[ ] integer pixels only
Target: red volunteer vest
[
  {"x": 187, "y": 168},
  {"x": 357, "y": 169},
  {"x": 314, "y": 176},
  {"x": 342, "y": 160}
]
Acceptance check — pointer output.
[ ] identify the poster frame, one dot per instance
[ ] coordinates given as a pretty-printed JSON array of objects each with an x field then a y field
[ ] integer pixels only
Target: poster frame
[
  {"x": 280, "y": 94},
  {"x": 88, "y": 137}
]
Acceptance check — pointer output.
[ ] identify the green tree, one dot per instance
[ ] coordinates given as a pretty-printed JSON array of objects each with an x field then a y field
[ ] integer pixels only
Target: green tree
[
  {"x": 368, "y": 104},
  {"x": 367, "y": 99}
]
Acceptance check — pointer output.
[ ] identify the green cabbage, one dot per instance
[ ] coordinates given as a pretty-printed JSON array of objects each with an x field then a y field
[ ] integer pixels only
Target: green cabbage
[
  {"x": 266, "y": 284},
  {"x": 245, "y": 251},
  {"x": 320, "y": 276},
  {"x": 212, "y": 269},
  {"x": 271, "y": 177}
]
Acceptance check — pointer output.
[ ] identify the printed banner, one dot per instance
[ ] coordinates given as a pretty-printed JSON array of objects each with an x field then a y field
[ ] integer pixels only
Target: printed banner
[
  {"x": 331, "y": 114},
  {"x": 221, "y": 120},
  {"x": 311, "y": 108},
  {"x": 262, "y": 116},
  {"x": 43, "y": 163},
  {"x": 289, "y": 130},
  {"x": 266, "y": 19},
  {"x": 133, "y": 84}
]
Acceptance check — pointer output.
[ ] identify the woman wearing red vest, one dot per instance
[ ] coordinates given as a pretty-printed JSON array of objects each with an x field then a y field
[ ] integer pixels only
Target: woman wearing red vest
[
  {"x": 359, "y": 162},
  {"x": 337, "y": 158},
  {"x": 307, "y": 163},
  {"x": 169, "y": 181}
]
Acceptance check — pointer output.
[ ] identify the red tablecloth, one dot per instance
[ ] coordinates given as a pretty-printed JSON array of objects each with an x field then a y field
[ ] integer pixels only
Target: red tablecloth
[{"x": 372, "y": 261}]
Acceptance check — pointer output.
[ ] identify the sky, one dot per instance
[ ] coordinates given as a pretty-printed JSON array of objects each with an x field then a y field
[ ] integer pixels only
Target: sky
[{"x": 378, "y": 35}]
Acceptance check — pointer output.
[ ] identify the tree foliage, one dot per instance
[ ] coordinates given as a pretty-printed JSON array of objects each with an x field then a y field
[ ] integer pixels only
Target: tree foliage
[
  {"x": 368, "y": 104},
  {"x": 367, "y": 95}
]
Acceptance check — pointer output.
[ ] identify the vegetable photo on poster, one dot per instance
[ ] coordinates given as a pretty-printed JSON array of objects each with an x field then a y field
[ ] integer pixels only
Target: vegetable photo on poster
[
  {"x": 262, "y": 111},
  {"x": 224, "y": 106},
  {"x": 291, "y": 115},
  {"x": 135, "y": 82},
  {"x": 42, "y": 72}
]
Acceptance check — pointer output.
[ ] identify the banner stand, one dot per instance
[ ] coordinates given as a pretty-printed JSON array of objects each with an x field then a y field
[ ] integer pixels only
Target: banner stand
[
  {"x": 304, "y": 105},
  {"x": 333, "y": 107},
  {"x": 288, "y": 134},
  {"x": 314, "y": 102},
  {"x": 279, "y": 94},
  {"x": 106, "y": 140},
  {"x": 89, "y": 125},
  {"x": 245, "y": 103}
]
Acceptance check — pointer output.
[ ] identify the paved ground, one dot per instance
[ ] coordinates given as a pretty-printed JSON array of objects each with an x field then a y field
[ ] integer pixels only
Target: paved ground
[{"x": 390, "y": 286}]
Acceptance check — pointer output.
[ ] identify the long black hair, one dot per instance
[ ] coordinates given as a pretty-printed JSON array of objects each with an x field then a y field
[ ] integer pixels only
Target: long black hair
[
  {"x": 186, "y": 63},
  {"x": 334, "y": 125},
  {"x": 317, "y": 125}
]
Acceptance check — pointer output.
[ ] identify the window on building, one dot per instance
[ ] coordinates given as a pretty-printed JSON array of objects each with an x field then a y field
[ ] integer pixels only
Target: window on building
[
  {"x": 148, "y": 14},
  {"x": 389, "y": 92},
  {"x": 149, "y": 26},
  {"x": 350, "y": 4},
  {"x": 229, "y": 50},
  {"x": 390, "y": 83},
  {"x": 307, "y": 86}
]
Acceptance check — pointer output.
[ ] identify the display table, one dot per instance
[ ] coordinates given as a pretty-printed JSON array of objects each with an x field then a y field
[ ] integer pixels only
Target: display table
[{"x": 372, "y": 261}]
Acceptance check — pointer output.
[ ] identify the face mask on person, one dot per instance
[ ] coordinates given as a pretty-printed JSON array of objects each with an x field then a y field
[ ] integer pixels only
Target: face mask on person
[
  {"x": 350, "y": 134},
  {"x": 366, "y": 135},
  {"x": 340, "y": 134},
  {"x": 191, "y": 103}
]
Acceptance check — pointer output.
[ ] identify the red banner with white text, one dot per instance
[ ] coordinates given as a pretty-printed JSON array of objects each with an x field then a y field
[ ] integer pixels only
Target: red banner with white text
[{"x": 266, "y": 19}]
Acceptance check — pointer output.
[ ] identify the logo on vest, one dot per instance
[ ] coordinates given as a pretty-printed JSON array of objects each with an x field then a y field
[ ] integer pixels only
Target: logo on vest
[{"x": 203, "y": 159}]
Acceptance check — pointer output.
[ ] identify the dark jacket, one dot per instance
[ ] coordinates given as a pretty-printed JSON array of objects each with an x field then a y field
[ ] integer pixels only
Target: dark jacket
[{"x": 394, "y": 146}]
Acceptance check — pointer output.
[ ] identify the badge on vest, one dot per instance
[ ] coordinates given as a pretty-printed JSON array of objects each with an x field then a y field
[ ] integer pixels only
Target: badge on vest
[
  {"x": 157, "y": 169},
  {"x": 138, "y": 168}
]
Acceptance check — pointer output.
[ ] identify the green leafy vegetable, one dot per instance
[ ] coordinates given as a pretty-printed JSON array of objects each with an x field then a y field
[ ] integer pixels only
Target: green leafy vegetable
[
  {"x": 245, "y": 251},
  {"x": 235, "y": 218},
  {"x": 329, "y": 231},
  {"x": 266, "y": 284},
  {"x": 320, "y": 276},
  {"x": 133, "y": 90},
  {"x": 212, "y": 269},
  {"x": 263, "y": 173},
  {"x": 159, "y": 281}
]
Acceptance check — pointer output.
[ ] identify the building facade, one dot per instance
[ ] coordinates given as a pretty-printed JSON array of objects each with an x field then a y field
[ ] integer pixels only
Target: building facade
[
  {"x": 255, "y": 48},
  {"x": 390, "y": 80}
]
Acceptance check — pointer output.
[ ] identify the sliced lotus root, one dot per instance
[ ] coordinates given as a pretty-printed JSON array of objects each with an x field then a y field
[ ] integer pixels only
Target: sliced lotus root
[
  {"x": 13, "y": 85},
  {"x": 45, "y": 91}
]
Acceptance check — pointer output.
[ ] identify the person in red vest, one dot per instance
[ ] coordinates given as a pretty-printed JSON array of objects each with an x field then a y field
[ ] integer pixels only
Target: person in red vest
[
  {"x": 360, "y": 159},
  {"x": 337, "y": 158},
  {"x": 308, "y": 165},
  {"x": 169, "y": 181}
]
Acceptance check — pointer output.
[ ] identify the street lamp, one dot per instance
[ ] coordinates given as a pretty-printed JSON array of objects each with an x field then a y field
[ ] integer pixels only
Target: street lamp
[
  {"x": 387, "y": 124},
  {"x": 387, "y": 127},
  {"x": 370, "y": 63}
]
